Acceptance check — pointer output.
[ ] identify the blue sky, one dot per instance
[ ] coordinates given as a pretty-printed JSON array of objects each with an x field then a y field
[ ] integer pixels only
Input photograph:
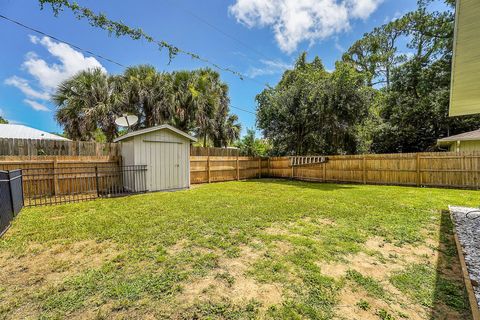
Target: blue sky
[{"x": 259, "y": 38}]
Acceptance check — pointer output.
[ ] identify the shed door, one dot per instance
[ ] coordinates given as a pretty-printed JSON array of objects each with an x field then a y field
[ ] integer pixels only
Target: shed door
[
  {"x": 168, "y": 166},
  {"x": 167, "y": 158}
]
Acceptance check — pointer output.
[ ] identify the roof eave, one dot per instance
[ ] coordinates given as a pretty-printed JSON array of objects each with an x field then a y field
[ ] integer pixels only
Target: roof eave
[{"x": 151, "y": 129}]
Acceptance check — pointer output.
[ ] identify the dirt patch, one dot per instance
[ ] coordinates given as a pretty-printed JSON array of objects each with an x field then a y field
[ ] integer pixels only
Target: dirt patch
[
  {"x": 232, "y": 283},
  {"x": 350, "y": 298},
  {"x": 405, "y": 253},
  {"x": 295, "y": 227},
  {"x": 41, "y": 267},
  {"x": 381, "y": 259},
  {"x": 277, "y": 231},
  {"x": 178, "y": 247}
]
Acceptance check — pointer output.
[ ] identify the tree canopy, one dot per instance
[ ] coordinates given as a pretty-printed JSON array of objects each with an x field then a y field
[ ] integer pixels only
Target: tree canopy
[
  {"x": 251, "y": 146},
  {"x": 313, "y": 111},
  {"x": 193, "y": 101},
  {"x": 389, "y": 93},
  {"x": 3, "y": 120}
]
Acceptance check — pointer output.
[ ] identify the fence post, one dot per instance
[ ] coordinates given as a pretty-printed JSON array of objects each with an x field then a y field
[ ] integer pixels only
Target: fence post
[
  {"x": 96, "y": 179},
  {"x": 364, "y": 170},
  {"x": 259, "y": 167},
  {"x": 55, "y": 177},
  {"x": 208, "y": 165},
  {"x": 9, "y": 183},
  {"x": 291, "y": 163},
  {"x": 418, "y": 170},
  {"x": 238, "y": 168},
  {"x": 268, "y": 167},
  {"x": 324, "y": 169}
]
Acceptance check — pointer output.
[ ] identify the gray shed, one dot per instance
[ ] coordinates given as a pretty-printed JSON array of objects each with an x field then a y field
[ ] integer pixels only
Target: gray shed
[{"x": 165, "y": 151}]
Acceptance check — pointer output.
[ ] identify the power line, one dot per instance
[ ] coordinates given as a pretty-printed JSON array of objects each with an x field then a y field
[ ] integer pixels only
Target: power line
[
  {"x": 244, "y": 77},
  {"x": 84, "y": 50},
  {"x": 244, "y": 110},
  {"x": 62, "y": 41},
  {"x": 214, "y": 27}
]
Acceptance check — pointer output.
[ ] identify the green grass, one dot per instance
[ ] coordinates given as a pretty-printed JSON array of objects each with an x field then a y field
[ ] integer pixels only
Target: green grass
[
  {"x": 160, "y": 246},
  {"x": 427, "y": 287},
  {"x": 370, "y": 285}
]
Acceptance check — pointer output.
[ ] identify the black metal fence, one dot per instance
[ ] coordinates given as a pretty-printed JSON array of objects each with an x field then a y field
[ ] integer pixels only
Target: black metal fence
[
  {"x": 45, "y": 186},
  {"x": 11, "y": 197}
]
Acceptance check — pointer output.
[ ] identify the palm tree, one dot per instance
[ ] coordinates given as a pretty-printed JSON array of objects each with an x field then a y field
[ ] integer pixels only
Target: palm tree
[
  {"x": 185, "y": 100},
  {"x": 227, "y": 131},
  {"x": 86, "y": 102},
  {"x": 147, "y": 93}
]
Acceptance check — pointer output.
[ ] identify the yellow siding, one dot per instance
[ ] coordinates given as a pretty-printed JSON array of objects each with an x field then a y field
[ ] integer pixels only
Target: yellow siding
[
  {"x": 465, "y": 146},
  {"x": 465, "y": 91}
]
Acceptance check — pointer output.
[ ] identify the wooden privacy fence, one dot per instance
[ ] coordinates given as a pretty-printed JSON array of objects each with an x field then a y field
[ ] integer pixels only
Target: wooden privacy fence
[
  {"x": 52, "y": 178},
  {"x": 215, "y": 169},
  {"x": 435, "y": 169},
  {"x": 216, "y": 152},
  {"x": 34, "y": 147}
]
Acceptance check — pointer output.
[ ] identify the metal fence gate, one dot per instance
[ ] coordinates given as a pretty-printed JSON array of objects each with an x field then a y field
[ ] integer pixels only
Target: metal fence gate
[
  {"x": 11, "y": 197},
  {"x": 45, "y": 186}
]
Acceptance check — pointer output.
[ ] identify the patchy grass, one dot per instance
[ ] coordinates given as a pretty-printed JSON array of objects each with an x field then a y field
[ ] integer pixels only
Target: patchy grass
[
  {"x": 423, "y": 284},
  {"x": 238, "y": 250},
  {"x": 370, "y": 285}
]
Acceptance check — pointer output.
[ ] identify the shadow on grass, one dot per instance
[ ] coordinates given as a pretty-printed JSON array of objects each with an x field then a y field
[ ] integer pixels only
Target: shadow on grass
[
  {"x": 450, "y": 293},
  {"x": 316, "y": 185}
]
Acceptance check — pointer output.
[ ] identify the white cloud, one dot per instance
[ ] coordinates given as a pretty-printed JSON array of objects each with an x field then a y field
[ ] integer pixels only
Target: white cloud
[
  {"x": 36, "y": 105},
  {"x": 25, "y": 87},
  {"x": 71, "y": 62},
  {"x": 47, "y": 76},
  {"x": 269, "y": 67},
  {"x": 295, "y": 21}
]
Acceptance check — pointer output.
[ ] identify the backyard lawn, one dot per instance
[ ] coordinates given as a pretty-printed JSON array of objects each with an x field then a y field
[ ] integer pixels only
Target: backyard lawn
[{"x": 239, "y": 250}]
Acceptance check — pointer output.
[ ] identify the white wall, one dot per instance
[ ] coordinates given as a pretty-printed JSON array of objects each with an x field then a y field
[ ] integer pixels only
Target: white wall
[{"x": 166, "y": 155}]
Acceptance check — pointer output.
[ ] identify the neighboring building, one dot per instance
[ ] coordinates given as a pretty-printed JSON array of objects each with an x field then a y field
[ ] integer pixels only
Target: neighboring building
[
  {"x": 464, "y": 142},
  {"x": 465, "y": 86},
  {"x": 165, "y": 151},
  {"x": 18, "y": 131}
]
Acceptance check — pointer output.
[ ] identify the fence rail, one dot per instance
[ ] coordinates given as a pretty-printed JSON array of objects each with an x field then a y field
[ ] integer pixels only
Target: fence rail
[
  {"x": 43, "y": 186},
  {"x": 34, "y": 147},
  {"x": 216, "y": 152}
]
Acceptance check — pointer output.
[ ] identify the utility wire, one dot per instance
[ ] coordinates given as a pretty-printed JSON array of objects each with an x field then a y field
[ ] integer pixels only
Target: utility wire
[
  {"x": 81, "y": 49},
  {"x": 219, "y": 30},
  {"x": 95, "y": 54},
  {"x": 244, "y": 110},
  {"x": 62, "y": 41}
]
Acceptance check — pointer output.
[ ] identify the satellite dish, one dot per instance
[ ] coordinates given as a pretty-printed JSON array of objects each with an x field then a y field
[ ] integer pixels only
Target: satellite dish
[{"x": 126, "y": 120}]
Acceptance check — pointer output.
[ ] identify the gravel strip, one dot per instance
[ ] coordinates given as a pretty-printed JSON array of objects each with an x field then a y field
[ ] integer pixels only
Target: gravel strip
[{"x": 468, "y": 232}]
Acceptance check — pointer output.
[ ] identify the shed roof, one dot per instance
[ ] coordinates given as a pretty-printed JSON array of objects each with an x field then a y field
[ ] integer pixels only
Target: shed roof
[
  {"x": 466, "y": 136},
  {"x": 18, "y": 131},
  {"x": 156, "y": 128}
]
